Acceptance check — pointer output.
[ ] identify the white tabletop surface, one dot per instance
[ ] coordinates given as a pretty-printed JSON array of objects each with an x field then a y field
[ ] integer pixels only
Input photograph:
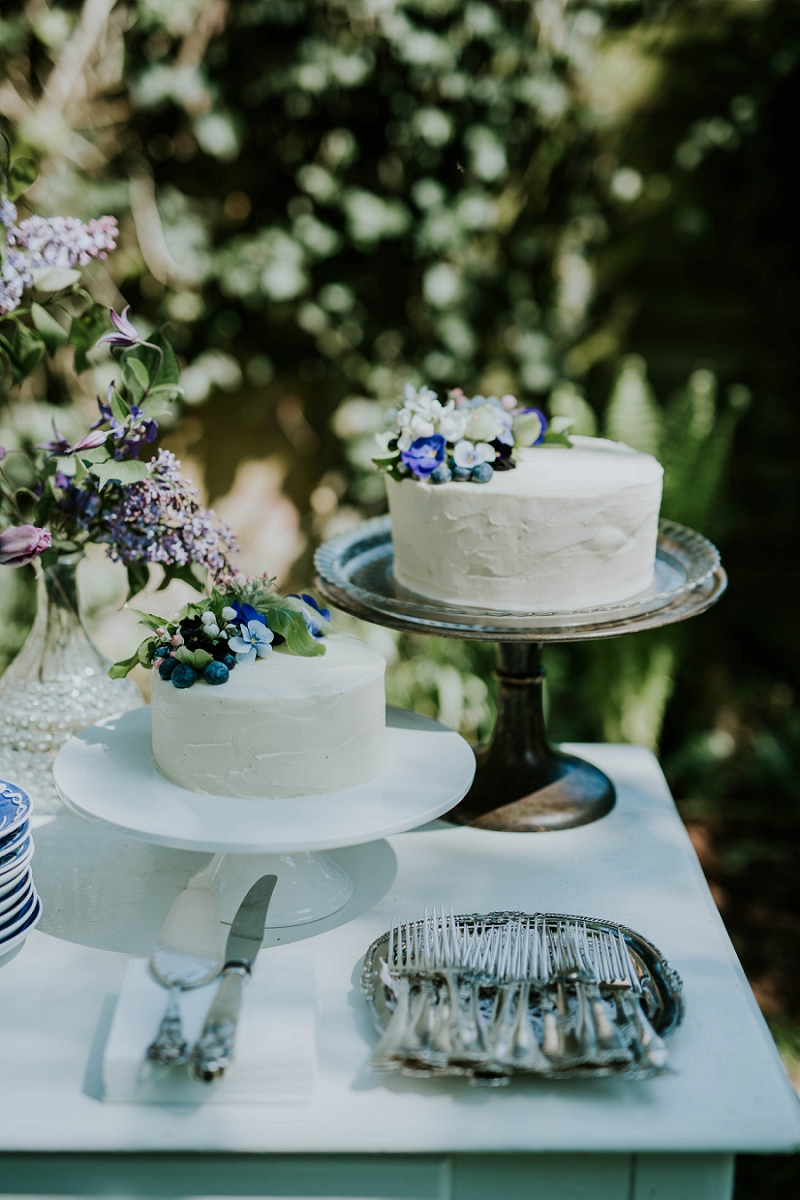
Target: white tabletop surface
[{"x": 105, "y": 898}]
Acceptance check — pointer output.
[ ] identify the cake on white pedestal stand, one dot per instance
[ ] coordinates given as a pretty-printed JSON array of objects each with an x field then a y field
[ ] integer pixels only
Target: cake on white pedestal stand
[{"x": 107, "y": 774}]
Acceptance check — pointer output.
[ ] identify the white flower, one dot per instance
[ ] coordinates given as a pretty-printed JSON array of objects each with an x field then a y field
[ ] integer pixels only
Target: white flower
[
  {"x": 486, "y": 422},
  {"x": 468, "y": 455},
  {"x": 421, "y": 427},
  {"x": 383, "y": 440},
  {"x": 208, "y": 618},
  {"x": 405, "y": 440},
  {"x": 212, "y": 630},
  {"x": 228, "y": 613},
  {"x": 453, "y": 423}
]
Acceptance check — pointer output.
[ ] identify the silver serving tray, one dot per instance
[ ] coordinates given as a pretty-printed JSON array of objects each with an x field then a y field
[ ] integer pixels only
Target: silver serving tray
[
  {"x": 355, "y": 572},
  {"x": 661, "y": 983}
]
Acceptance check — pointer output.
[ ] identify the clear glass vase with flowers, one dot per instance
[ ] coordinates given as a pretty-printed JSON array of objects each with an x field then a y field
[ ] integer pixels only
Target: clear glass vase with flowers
[{"x": 105, "y": 488}]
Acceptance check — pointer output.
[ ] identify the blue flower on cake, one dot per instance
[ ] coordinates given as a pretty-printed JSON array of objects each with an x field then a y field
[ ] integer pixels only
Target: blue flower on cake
[
  {"x": 254, "y": 641},
  {"x": 424, "y": 455},
  {"x": 469, "y": 454},
  {"x": 317, "y": 619},
  {"x": 529, "y": 426}
]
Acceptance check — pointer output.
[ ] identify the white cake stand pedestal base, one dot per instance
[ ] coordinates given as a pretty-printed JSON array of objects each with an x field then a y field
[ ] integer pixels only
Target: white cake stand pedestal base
[{"x": 107, "y": 774}]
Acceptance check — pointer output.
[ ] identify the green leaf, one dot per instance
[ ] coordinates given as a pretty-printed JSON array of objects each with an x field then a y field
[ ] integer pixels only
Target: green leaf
[
  {"x": 54, "y": 279},
  {"x": 185, "y": 573},
  {"x": 125, "y": 473},
  {"x": 135, "y": 375},
  {"x": 292, "y": 627},
  {"x": 551, "y": 438},
  {"x": 119, "y": 409},
  {"x": 99, "y": 455},
  {"x": 201, "y": 658},
  {"x": 149, "y": 619},
  {"x": 28, "y": 351},
  {"x": 138, "y": 578},
  {"x": 44, "y": 508},
  {"x": 53, "y": 334},
  {"x": 184, "y": 655},
  {"x": 49, "y": 558},
  {"x": 163, "y": 372},
  {"x": 85, "y": 331},
  {"x": 121, "y": 669},
  {"x": 20, "y": 174},
  {"x": 145, "y": 652}
]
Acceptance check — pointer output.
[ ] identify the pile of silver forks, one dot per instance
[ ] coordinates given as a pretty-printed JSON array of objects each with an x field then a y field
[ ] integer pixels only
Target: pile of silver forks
[{"x": 555, "y": 997}]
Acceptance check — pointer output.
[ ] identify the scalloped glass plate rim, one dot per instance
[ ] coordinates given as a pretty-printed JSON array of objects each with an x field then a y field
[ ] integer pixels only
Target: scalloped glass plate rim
[{"x": 332, "y": 556}]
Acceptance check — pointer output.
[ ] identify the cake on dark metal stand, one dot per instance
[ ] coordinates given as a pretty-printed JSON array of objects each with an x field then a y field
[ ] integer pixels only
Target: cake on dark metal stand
[{"x": 522, "y": 784}]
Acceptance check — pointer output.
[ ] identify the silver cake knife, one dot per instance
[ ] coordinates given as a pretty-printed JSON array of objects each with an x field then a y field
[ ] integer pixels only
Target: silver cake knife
[{"x": 214, "y": 1049}]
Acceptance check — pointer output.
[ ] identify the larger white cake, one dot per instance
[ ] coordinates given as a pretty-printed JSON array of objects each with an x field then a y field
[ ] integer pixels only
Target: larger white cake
[
  {"x": 567, "y": 529},
  {"x": 279, "y": 727}
]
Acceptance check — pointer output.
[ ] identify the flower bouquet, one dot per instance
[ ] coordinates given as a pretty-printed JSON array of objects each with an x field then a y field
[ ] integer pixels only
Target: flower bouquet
[
  {"x": 462, "y": 440},
  {"x": 61, "y": 495}
]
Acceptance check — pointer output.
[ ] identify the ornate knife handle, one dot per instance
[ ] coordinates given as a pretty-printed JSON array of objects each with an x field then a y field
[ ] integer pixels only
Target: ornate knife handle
[
  {"x": 169, "y": 1047},
  {"x": 214, "y": 1049}
]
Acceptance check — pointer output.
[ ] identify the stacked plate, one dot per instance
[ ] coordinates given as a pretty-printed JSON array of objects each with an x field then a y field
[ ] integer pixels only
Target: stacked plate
[{"x": 20, "y": 907}]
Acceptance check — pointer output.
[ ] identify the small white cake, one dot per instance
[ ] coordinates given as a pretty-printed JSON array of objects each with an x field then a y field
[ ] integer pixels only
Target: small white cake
[
  {"x": 567, "y": 529},
  {"x": 281, "y": 726}
]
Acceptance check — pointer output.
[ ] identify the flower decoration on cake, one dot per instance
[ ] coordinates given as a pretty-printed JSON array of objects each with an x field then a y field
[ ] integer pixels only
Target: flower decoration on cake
[
  {"x": 462, "y": 440},
  {"x": 239, "y": 623}
]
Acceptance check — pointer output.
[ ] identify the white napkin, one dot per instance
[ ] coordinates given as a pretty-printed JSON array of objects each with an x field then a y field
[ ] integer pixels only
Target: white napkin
[{"x": 275, "y": 1042}]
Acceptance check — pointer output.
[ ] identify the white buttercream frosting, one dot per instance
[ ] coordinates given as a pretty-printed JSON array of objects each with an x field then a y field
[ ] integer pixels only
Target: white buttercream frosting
[
  {"x": 567, "y": 529},
  {"x": 281, "y": 726}
]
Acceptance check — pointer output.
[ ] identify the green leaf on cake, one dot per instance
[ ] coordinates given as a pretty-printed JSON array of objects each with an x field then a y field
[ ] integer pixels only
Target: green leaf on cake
[{"x": 291, "y": 626}]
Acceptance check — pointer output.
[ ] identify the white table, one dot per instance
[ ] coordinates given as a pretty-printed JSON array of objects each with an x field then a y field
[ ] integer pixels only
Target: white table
[{"x": 386, "y": 1137}]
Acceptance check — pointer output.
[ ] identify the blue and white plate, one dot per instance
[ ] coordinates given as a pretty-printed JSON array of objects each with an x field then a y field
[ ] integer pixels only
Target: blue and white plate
[
  {"x": 11, "y": 919},
  {"x": 8, "y": 838},
  {"x": 15, "y": 807},
  {"x": 18, "y": 893},
  {"x": 10, "y": 924},
  {"x": 12, "y": 840},
  {"x": 11, "y": 861},
  {"x": 10, "y": 941},
  {"x": 10, "y": 880}
]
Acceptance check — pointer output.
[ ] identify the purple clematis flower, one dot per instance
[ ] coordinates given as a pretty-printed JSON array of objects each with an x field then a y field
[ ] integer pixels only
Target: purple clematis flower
[
  {"x": 62, "y": 480},
  {"x": 59, "y": 445},
  {"x": 91, "y": 441},
  {"x": 125, "y": 334},
  {"x": 424, "y": 455},
  {"x": 21, "y": 544}
]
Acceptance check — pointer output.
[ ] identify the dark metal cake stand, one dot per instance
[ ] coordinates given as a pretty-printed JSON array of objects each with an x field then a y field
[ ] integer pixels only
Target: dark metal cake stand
[{"x": 522, "y": 784}]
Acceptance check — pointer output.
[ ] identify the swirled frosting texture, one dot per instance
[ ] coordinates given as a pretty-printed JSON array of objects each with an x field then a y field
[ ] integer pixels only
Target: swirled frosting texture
[
  {"x": 567, "y": 529},
  {"x": 280, "y": 727}
]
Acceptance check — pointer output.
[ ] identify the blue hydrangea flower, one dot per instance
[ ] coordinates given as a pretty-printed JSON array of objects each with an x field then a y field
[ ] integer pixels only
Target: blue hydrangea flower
[
  {"x": 255, "y": 641},
  {"x": 316, "y": 625},
  {"x": 424, "y": 455}
]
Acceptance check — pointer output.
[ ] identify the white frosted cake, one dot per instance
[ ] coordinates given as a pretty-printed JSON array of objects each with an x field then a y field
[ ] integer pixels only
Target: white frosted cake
[
  {"x": 281, "y": 726},
  {"x": 566, "y": 529}
]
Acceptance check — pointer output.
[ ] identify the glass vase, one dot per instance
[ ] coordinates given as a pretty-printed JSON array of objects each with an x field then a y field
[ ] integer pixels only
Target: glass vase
[{"x": 56, "y": 686}]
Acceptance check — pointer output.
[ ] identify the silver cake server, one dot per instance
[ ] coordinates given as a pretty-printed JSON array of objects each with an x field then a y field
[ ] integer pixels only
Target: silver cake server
[
  {"x": 189, "y": 952},
  {"x": 214, "y": 1049}
]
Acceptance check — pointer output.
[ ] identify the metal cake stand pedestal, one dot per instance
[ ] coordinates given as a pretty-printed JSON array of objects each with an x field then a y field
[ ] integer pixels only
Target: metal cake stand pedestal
[
  {"x": 106, "y": 774},
  {"x": 522, "y": 784}
]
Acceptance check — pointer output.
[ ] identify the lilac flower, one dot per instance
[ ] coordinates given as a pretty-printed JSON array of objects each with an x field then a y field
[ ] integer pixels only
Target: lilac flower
[
  {"x": 160, "y": 521},
  {"x": 48, "y": 242},
  {"x": 316, "y": 620},
  {"x": 124, "y": 335},
  {"x": 8, "y": 212},
  {"x": 21, "y": 544},
  {"x": 254, "y": 641},
  {"x": 424, "y": 455}
]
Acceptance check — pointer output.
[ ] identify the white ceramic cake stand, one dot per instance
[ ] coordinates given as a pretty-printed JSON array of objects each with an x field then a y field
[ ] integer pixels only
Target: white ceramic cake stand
[{"x": 107, "y": 774}]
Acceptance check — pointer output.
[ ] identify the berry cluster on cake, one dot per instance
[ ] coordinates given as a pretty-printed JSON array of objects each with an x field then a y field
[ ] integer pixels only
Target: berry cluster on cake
[
  {"x": 561, "y": 522},
  {"x": 301, "y": 712}
]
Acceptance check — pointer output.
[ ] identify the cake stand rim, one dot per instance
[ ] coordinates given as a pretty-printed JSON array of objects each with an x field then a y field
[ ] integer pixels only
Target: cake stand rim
[
  {"x": 589, "y": 624},
  {"x": 463, "y": 770}
]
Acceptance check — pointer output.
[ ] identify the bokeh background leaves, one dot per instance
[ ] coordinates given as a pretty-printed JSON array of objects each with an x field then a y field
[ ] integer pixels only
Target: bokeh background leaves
[{"x": 589, "y": 204}]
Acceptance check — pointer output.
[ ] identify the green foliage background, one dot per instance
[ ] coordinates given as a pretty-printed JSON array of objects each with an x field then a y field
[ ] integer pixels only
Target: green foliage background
[{"x": 590, "y": 204}]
